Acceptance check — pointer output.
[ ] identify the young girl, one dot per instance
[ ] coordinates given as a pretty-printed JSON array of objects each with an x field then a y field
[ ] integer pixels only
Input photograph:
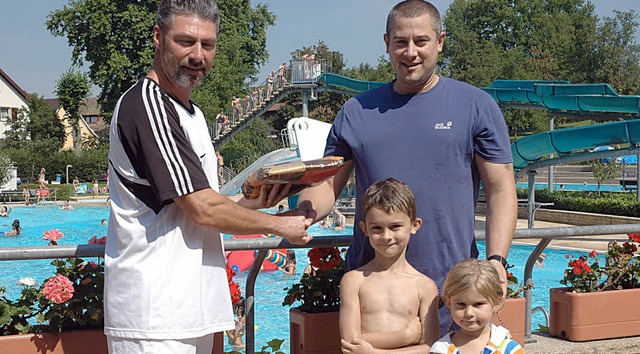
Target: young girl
[
  {"x": 473, "y": 294},
  {"x": 290, "y": 265}
]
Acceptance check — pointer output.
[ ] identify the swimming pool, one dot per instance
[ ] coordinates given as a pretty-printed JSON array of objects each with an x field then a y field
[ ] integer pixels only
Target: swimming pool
[
  {"x": 272, "y": 319},
  {"x": 577, "y": 187}
]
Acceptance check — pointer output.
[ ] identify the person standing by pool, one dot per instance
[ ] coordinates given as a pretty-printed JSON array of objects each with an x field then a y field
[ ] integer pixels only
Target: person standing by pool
[
  {"x": 387, "y": 304},
  {"x": 166, "y": 288},
  {"x": 42, "y": 182},
  {"x": 76, "y": 185},
  {"x": 339, "y": 220},
  {"x": 26, "y": 195},
  {"x": 457, "y": 137}
]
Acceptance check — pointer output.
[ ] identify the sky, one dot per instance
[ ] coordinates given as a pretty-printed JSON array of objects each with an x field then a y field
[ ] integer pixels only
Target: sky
[{"x": 35, "y": 59}]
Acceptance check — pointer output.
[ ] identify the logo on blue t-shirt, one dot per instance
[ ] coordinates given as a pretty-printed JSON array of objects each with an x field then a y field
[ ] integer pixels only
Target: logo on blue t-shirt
[{"x": 446, "y": 125}]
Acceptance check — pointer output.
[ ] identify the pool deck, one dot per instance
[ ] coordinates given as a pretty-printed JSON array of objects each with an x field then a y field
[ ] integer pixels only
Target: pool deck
[
  {"x": 583, "y": 243},
  {"x": 89, "y": 199},
  {"x": 549, "y": 345}
]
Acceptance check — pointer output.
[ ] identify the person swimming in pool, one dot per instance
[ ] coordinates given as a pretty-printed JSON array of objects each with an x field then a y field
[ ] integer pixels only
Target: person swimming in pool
[
  {"x": 4, "y": 211},
  {"x": 15, "y": 229}
]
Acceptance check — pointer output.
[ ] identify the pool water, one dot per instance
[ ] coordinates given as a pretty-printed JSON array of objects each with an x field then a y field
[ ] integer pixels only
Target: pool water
[
  {"x": 272, "y": 319},
  {"x": 577, "y": 187},
  {"x": 77, "y": 225}
]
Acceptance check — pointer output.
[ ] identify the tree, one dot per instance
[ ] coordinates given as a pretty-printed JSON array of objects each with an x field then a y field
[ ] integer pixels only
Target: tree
[
  {"x": 115, "y": 38},
  {"x": 5, "y": 164},
  {"x": 36, "y": 129},
  {"x": 382, "y": 72},
  {"x": 249, "y": 145},
  {"x": 511, "y": 39},
  {"x": 603, "y": 170},
  {"x": 242, "y": 50},
  {"x": 618, "y": 53},
  {"x": 72, "y": 89}
]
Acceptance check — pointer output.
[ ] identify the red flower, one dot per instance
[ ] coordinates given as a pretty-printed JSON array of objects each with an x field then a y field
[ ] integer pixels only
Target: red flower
[
  {"x": 566, "y": 256},
  {"x": 325, "y": 258},
  {"x": 98, "y": 241},
  {"x": 593, "y": 254},
  {"x": 634, "y": 237},
  {"x": 234, "y": 288}
]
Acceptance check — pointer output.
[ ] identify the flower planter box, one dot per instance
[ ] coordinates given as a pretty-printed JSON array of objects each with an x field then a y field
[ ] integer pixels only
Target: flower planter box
[
  {"x": 314, "y": 333},
  {"x": 592, "y": 316},
  {"x": 512, "y": 315},
  {"x": 70, "y": 342}
]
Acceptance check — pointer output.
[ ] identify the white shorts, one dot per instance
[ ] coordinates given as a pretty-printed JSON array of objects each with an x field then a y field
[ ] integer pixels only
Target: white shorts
[{"x": 202, "y": 345}]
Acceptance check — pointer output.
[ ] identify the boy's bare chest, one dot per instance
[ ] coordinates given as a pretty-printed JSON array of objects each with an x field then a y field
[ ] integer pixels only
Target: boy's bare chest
[{"x": 391, "y": 298}]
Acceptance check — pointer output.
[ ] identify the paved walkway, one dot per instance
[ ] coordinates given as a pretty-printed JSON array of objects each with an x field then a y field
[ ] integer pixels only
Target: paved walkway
[
  {"x": 548, "y": 345},
  {"x": 585, "y": 243}
]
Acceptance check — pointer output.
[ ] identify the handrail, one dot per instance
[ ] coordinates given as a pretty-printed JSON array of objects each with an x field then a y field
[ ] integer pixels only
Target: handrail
[{"x": 544, "y": 234}]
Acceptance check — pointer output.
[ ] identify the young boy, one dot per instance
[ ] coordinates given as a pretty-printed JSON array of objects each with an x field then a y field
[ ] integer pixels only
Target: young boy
[{"x": 387, "y": 304}]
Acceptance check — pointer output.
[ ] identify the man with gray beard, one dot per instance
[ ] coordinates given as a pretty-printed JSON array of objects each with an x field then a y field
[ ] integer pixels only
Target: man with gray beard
[{"x": 166, "y": 288}]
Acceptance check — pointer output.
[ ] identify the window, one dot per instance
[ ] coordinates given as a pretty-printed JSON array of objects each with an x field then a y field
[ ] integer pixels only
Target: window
[
  {"x": 4, "y": 114},
  {"x": 91, "y": 119}
]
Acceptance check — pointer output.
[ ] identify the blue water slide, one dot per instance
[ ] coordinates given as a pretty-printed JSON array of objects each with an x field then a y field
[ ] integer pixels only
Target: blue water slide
[
  {"x": 554, "y": 96},
  {"x": 572, "y": 140},
  {"x": 347, "y": 83}
]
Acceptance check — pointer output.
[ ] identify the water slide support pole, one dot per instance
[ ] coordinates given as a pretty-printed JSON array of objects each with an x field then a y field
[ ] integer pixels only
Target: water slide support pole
[{"x": 550, "y": 181}]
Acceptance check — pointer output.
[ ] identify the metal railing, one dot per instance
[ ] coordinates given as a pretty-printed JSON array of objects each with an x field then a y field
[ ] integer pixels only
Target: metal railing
[
  {"x": 259, "y": 98},
  {"x": 262, "y": 245}
]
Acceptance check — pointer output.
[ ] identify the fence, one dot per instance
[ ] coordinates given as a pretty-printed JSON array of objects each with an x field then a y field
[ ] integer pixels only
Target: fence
[{"x": 546, "y": 235}]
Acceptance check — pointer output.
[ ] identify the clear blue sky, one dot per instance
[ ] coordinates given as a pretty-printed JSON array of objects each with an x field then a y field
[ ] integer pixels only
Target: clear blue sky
[{"x": 35, "y": 59}]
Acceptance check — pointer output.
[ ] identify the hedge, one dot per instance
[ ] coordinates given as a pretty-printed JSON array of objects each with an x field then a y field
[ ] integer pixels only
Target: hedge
[{"x": 611, "y": 203}]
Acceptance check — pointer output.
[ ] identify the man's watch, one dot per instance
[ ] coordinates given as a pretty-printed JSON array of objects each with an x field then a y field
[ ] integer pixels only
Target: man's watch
[{"x": 500, "y": 259}]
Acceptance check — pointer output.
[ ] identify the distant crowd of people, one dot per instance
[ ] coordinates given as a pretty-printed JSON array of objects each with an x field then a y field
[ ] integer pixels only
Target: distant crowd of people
[{"x": 241, "y": 108}]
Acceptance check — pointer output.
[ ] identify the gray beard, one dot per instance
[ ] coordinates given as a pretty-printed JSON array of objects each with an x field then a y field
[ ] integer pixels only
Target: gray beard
[{"x": 188, "y": 81}]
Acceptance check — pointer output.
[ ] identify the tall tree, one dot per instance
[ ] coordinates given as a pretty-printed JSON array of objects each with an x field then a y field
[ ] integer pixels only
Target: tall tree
[
  {"x": 115, "y": 38},
  {"x": 519, "y": 40},
  {"x": 37, "y": 128},
  {"x": 618, "y": 53},
  {"x": 382, "y": 72},
  {"x": 514, "y": 39},
  {"x": 72, "y": 89}
]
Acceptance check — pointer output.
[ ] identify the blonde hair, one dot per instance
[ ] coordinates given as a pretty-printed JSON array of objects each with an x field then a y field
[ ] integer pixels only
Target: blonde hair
[
  {"x": 473, "y": 274},
  {"x": 390, "y": 196}
]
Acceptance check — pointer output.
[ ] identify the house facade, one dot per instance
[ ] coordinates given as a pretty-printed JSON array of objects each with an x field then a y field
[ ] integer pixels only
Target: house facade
[
  {"x": 12, "y": 98},
  {"x": 92, "y": 118}
]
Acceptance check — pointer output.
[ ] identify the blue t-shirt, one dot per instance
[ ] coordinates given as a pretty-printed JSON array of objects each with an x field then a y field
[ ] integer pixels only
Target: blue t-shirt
[{"x": 427, "y": 140}]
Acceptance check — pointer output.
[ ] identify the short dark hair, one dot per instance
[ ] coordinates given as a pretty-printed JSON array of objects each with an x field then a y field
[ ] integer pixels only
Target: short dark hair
[
  {"x": 205, "y": 9},
  {"x": 390, "y": 195},
  {"x": 413, "y": 9}
]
